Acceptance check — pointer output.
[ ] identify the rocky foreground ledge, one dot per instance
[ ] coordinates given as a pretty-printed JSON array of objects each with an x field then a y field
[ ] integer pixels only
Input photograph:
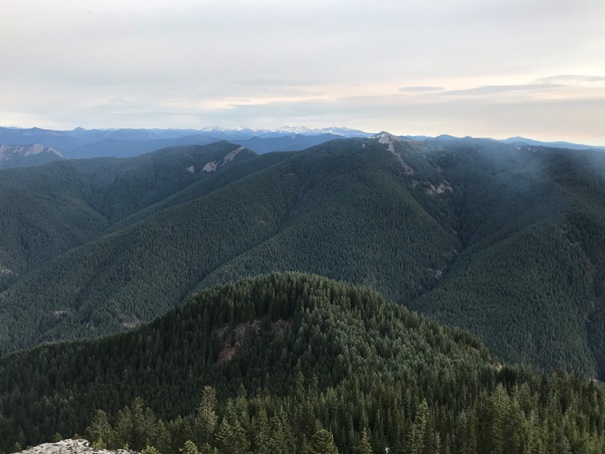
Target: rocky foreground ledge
[{"x": 71, "y": 447}]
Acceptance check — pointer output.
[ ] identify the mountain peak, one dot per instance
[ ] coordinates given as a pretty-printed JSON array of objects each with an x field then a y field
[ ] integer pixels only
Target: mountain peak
[{"x": 386, "y": 138}]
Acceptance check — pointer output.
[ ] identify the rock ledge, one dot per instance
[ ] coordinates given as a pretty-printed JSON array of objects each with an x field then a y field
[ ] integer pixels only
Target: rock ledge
[{"x": 71, "y": 447}]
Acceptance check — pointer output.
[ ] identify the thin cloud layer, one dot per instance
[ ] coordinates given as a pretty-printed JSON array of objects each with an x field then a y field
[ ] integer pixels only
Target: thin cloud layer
[{"x": 411, "y": 67}]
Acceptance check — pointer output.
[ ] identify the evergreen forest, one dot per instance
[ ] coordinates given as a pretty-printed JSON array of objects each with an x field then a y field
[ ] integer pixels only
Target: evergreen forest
[
  {"x": 435, "y": 296},
  {"x": 288, "y": 363}
]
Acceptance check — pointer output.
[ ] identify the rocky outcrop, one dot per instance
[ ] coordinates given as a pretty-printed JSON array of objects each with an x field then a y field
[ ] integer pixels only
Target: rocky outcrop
[
  {"x": 71, "y": 447},
  {"x": 213, "y": 166}
]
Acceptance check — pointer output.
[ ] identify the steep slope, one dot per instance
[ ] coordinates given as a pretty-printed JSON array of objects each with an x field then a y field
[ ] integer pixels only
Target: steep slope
[
  {"x": 303, "y": 354},
  {"x": 529, "y": 280},
  {"x": 51, "y": 209},
  {"x": 342, "y": 210},
  {"x": 356, "y": 218}
]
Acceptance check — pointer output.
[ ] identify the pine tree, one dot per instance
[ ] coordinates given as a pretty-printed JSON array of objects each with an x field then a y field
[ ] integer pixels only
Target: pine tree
[
  {"x": 206, "y": 418},
  {"x": 231, "y": 437},
  {"x": 163, "y": 438},
  {"x": 323, "y": 443},
  {"x": 189, "y": 448},
  {"x": 261, "y": 432},
  {"x": 99, "y": 432},
  {"x": 364, "y": 446},
  {"x": 420, "y": 429}
]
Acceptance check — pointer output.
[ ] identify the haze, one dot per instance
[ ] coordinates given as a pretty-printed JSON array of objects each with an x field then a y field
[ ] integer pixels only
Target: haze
[{"x": 534, "y": 68}]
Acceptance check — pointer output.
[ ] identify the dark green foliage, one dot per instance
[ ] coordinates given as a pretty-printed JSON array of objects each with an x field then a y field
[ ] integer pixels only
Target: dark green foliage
[
  {"x": 342, "y": 210},
  {"x": 322, "y": 442},
  {"x": 529, "y": 279},
  {"x": 288, "y": 363},
  {"x": 50, "y": 209},
  {"x": 504, "y": 240}
]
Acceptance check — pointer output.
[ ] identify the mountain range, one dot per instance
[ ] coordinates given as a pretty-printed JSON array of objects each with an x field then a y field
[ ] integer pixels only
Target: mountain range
[
  {"x": 81, "y": 143},
  {"x": 127, "y": 285},
  {"x": 500, "y": 239}
]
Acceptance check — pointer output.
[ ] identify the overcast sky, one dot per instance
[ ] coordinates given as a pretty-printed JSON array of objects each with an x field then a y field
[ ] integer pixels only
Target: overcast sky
[{"x": 494, "y": 68}]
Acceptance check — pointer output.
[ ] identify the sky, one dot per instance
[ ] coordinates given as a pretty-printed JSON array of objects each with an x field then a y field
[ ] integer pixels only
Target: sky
[{"x": 483, "y": 68}]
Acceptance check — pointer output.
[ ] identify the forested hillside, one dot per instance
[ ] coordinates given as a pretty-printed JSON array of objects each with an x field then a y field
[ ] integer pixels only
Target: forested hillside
[
  {"x": 292, "y": 363},
  {"x": 51, "y": 209},
  {"x": 530, "y": 277},
  {"x": 505, "y": 240},
  {"x": 337, "y": 211}
]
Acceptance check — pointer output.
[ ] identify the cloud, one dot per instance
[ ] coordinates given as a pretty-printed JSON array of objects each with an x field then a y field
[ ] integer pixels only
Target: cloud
[
  {"x": 420, "y": 89},
  {"x": 550, "y": 87},
  {"x": 500, "y": 89},
  {"x": 186, "y": 63},
  {"x": 569, "y": 79}
]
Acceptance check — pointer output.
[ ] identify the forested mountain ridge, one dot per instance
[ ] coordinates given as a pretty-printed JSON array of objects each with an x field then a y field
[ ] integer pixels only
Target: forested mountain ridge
[
  {"x": 294, "y": 363},
  {"x": 302, "y": 211},
  {"x": 51, "y": 209},
  {"x": 93, "y": 143},
  {"x": 531, "y": 222},
  {"x": 505, "y": 240}
]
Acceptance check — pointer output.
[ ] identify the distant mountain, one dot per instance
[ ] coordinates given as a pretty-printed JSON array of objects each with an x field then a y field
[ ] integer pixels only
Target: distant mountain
[
  {"x": 335, "y": 131},
  {"x": 27, "y": 155},
  {"x": 90, "y": 143},
  {"x": 245, "y": 133},
  {"x": 567, "y": 145},
  {"x": 127, "y": 148},
  {"x": 294, "y": 142},
  {"x": 515, "y": 140},
  {"x": 59, "y": 140},
  {"x": 260, "y": 145},
  {"x": 82, "y": 143}
]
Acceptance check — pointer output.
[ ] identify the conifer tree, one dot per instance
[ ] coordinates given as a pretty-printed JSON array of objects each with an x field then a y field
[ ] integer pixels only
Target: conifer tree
[
  {"x": 231, "y": 436},
  {"x": 206, "y": 418},
  {"x": 323, "y": 443},
  {"x": 261, "y": 432},
  {"x": 364, "y": 446},
  {"x": 99, "y": 432},
  {"x": 189, "y": 448}
]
